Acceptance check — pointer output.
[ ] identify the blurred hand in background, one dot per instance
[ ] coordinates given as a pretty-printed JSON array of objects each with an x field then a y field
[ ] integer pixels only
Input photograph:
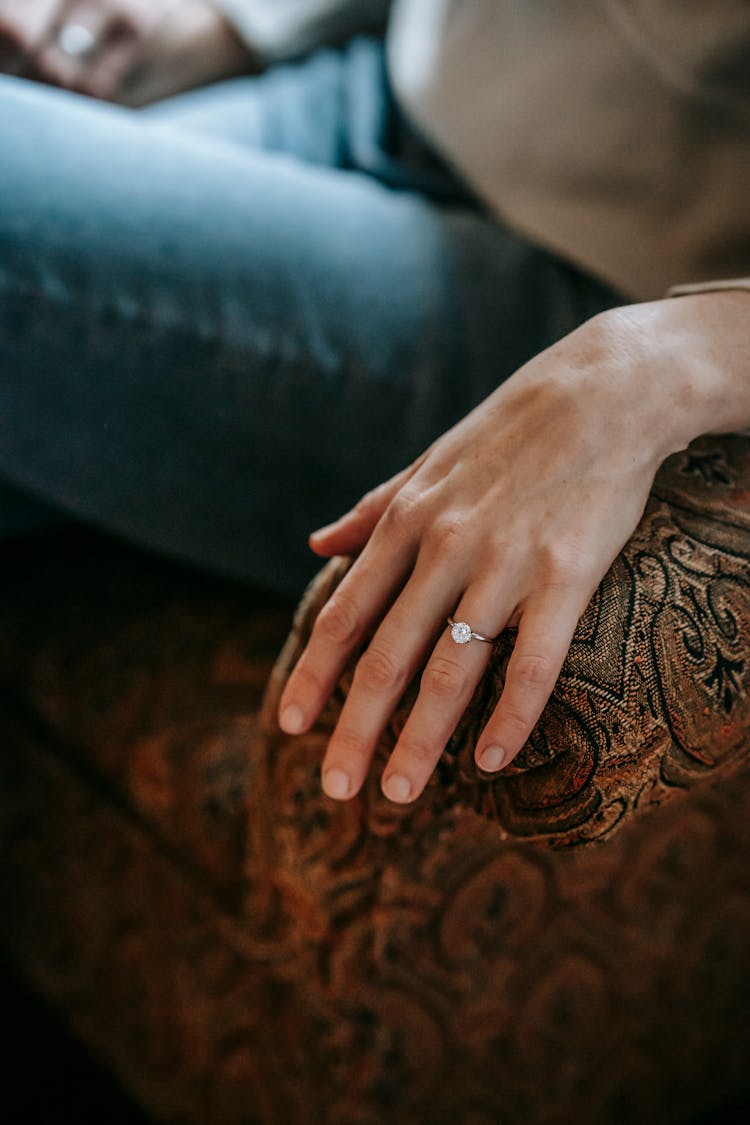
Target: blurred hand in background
[{"x": 128, "y": 51}]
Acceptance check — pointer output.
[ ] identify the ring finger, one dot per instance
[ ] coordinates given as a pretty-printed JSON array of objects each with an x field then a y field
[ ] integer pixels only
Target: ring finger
[
  {"x": 72, "y": 46},
  {"x": 448, "y": 683}
]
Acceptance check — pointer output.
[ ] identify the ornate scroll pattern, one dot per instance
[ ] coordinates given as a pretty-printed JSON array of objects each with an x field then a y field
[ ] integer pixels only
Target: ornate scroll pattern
[
  {"x": 471, "y": 984},
  {"x": 514, "y": 953}
]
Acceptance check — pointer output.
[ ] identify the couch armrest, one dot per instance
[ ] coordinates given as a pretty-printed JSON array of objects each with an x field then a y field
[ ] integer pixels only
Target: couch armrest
[{"x": 653, "y": 696}]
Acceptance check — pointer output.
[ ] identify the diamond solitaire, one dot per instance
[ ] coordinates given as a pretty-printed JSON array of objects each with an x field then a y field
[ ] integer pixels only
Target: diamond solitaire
[{"x": 461, "y": 632}]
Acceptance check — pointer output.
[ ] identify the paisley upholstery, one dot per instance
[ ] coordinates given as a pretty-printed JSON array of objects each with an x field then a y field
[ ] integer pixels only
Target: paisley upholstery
[{"x": 567, "y": 942}]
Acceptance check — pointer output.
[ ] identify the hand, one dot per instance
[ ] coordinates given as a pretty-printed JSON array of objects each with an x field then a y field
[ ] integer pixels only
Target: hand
[
  {"x": 511, "y": 518},
  {"x": 131, "y": 51}
]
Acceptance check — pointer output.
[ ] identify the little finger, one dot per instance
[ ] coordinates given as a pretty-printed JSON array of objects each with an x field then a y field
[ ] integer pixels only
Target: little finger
[{"x": 545, "y": 631}]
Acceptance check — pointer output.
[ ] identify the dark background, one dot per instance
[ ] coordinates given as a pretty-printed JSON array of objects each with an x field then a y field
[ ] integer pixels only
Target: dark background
[{"x": 46, "y": 1076}]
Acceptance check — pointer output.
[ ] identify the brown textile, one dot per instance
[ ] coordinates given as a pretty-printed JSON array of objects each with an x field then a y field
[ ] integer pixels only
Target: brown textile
[{"x": 569, "y": 942}]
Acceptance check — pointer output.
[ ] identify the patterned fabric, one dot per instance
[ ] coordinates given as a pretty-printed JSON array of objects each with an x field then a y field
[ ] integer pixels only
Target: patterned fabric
[{"x": 567, "y": 942}]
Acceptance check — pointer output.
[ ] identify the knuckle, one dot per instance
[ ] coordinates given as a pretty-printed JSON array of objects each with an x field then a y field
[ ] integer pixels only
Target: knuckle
[
  {"x": 306, "y": 679},
  {"x": 446, "y": 535},
  {"x": 444, "y": 679},
  {"x": 415, "y": 750},
  {"x": 365, "y": 504},
  {"x": 533, "y": 669},
  {"x": 515, "y": 721},
  {"x": 561, "y": 565},
  {"x": 377, "y": 671},
  {"x": 339, "y": 620},
  {"x": 349, "y": 744},
  {"x": 402, "y": 512}
]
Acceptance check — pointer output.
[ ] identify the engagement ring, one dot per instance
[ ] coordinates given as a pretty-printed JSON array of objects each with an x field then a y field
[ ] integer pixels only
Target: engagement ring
[
  {"x": 76, "y": 40},
  {"x": 463, "y": 633}
]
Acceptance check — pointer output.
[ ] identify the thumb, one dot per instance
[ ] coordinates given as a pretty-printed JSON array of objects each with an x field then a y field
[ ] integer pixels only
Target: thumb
[{"x": 348, "y": 534}]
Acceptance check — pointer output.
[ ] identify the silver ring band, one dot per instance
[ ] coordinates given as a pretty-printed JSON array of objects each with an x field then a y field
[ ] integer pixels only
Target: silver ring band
[
  {"x": 76, "y": 40},
  {"x": 462, "y": 633}
]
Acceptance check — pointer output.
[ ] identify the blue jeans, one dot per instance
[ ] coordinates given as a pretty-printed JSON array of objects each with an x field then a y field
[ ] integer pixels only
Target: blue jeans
[{"x": 225, "y": 317}]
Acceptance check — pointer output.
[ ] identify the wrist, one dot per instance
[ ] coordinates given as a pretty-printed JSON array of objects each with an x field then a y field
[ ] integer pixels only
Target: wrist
[
  {"x": 715, "y": 330},
  {"x": 692, "y": 354}
]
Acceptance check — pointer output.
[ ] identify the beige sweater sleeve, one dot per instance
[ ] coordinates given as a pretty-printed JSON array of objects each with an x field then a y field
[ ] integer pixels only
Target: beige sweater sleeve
[
  {"x": 709, "y": 286},
  {"x": 281, "y": 29}
]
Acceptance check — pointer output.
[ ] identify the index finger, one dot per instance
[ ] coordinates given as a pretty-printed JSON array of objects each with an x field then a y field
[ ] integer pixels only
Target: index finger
[{"x": 344, "y": 621}]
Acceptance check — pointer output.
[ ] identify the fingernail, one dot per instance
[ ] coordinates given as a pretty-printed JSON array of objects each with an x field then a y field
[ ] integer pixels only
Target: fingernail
[
  {"x": 397, "y": 787},
  {"x": 492, "y": 758},
  {"x": 292, "y": 720},
  {"x": 336, "y": 784}
]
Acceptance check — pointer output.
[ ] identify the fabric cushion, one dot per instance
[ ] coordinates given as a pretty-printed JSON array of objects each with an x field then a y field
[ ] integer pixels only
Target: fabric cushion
[
  {"x": 566, "y": 942},
  {"x": 150, "y": 675},
  {"x": 569, "y": 940}
]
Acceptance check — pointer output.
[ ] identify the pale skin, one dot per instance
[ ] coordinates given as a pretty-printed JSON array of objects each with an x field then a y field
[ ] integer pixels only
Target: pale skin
[
  {"x": 511, "y": 518},
  {"x": 144, "y": 49}
]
